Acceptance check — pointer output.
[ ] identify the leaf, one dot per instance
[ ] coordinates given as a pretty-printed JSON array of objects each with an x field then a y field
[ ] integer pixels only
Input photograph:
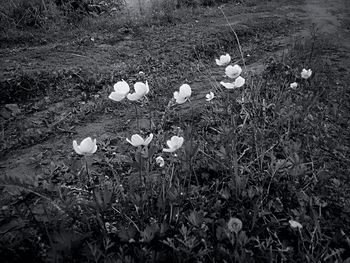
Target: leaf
[
  {"x": 126, "y": 234},
  {"x": 195, "y": 218},
  {"x": 149, "y": 233}
]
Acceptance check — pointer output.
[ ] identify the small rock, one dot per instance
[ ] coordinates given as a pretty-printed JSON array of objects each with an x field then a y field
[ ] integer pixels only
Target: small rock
[{"x": 13, "y": 108}]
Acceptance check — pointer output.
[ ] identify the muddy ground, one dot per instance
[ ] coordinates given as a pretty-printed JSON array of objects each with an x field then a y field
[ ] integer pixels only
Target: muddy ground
[{"x": 55, "y": 87}]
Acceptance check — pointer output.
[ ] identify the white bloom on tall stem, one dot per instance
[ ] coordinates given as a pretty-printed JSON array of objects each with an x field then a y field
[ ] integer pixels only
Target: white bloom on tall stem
[
  {"x": 121, "y": 90},
  {"x": 183, "y": 94},
  {"x": 141, "y": 89},
  {"x": 137, "y": 140},
  {"x": 224, "y": 60},
  {"x": 305, "y": 74},
  {"x": 295, "y": 224},
  {"x": 160, "y": 161},
  {"x": 174, "y": 144},
  {"x": 239, "y": 82},
  {"x": 293, "y": 85},
  {"x": 233, "y": 71},
  {"x": 87, "y": 146},
  {"x": 209, "y": 96}
]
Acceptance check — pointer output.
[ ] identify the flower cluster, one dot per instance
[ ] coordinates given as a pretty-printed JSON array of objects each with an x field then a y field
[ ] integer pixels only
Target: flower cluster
[
  {"x": 233, "y": 72},
  {"x": 122, "y": 91},
  {"x": 305, "y": 74}
]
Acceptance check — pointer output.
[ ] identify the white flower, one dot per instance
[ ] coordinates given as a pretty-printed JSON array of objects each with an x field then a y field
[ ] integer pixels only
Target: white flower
[
  {"x": 87, "y": 146},
  {"x": 239, "y": 82},
  {"x": 141, "y": 89},
  {"x": 174, "y": 144},
  {"x": 183, "y": 94},
  {"x": 121, "y": 90},
  {"x": 209, "y": 96},
  {"x": 224, "y": 60},
  {"x": 233, "y": 71},
  {"x": 295, "y": 224},
  {"x": 160, "y": 161},
  {"x": 305, "y": 74},
  {"x": 137, "y": 140},
  {"x": 234, "y": 225},
  {"x": 293, "y": 85}
]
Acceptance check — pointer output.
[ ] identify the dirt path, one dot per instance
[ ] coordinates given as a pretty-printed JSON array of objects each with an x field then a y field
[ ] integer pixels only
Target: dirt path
[{"x": 330, "y": 17}]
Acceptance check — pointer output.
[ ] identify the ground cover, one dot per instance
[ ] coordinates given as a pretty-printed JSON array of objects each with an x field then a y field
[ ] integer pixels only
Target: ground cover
[{"x": 255, "y": 161}]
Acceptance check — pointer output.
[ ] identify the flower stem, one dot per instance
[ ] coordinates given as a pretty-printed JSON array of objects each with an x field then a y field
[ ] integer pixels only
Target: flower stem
[
  {"x": 141, "y": 179},
  {"x": 137, "y": 117},
  {"x": 87, "y": 168}
]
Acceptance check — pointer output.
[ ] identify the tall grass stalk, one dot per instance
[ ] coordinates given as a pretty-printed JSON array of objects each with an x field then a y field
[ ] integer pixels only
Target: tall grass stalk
[{"x": 237, "y": 39}]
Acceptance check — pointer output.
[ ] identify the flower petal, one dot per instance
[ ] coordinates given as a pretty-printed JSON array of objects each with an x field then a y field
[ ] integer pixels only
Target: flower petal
[
  {"x": 170, "y": 143},
  {"x": 305, "y": 74},
  {"x": 116, "y": 96},
  {"x": 134, "y": 96},
  {"x": 224, "y": 60},
  {"x": 185, "y": 90},
  {"x": 95, "y": 147},
  {"x": 233, "y": 71},
  {"x": 294, "y": 85},
  {"x": 227, "y": 85},
  {"x": 168, "y": 150},
  {"x": 76, "y": 147},
  {"x": 148, "y": 139},
  {"x": 160, "y": 161},
  {"x": 239, "y": 82},
  {"x": 209, "y": 96},
  {"x": 147, "y": 87},
  {"x": 87, "y": 145},
  {"x": 121, "y": 87},
  {"x": 136, "y": 140},
  {"x": 140, "y": 88}
]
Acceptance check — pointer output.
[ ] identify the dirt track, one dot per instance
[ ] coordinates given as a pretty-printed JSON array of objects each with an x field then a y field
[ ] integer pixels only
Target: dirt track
[{"x": 331, "y": 18}]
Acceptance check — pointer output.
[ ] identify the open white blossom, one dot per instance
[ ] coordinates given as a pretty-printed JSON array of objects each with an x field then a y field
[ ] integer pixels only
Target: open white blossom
[
  {"x": 233, "y": 71},
  {"x": 160, "y": 161},
  {"x": 239, "y": 82},
  {"x": 224, "y": 60},
  {"x": 305, "y": 74},
  {"x": 209, "y": 96},
  {"x": 86, "y": 147},
  {"x": 295, "y": 224},
  {"x": 121, "y": 90},
  {"x": 137, "y": 140},
  {"x": 183, "y": 94},
  {"x": 293, "y": 85},
  {"x": 141, "y": 89},
  {"x": 174, "y": 144}
]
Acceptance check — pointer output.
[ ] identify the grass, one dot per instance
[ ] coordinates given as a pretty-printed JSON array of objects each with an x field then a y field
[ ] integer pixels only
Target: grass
[{"x": 261, "y": 155}]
